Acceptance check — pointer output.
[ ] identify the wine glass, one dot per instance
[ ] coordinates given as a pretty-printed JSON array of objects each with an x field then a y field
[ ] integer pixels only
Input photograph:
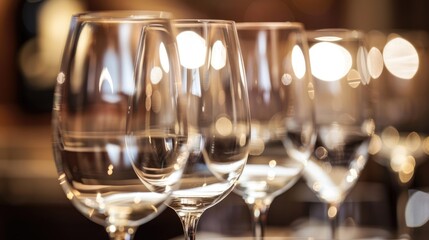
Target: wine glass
[
  {"x": 400, "y": 92},
  {"x": 218, "y": 116},
  {"x": 282, "y": 114},
  {"x": 343, "y": 115},
  {"x": 89, "y": 118}
]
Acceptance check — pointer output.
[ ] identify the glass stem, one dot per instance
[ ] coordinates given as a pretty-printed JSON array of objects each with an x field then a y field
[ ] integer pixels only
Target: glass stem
[
  {"x": 333, "y": 209},
  {"x": 121, "y": 233},
  {"x": 259, "y": 209},
  {"x": 189, "y": 223}
]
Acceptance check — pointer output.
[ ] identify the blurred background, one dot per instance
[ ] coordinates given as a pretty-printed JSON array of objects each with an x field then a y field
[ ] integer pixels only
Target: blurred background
[{"x": 389, "y": 201}]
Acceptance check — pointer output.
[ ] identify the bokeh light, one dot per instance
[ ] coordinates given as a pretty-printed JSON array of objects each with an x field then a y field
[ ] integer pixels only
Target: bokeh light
[
  {"x": 329, "y": 61},
  {"x": 401, "y": 58}
]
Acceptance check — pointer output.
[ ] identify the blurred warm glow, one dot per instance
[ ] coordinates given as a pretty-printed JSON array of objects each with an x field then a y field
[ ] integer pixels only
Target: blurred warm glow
[
  {"x": 329, "y": 61},
  {"x": 218, "y": 55},
  {"x": 192, "y": 49},
  {"x": 224, "y": 126},
  {"x": 257, "y": 145},
  {"x": 401, "y": 152},
  {"x": 40, "y": 58},
  {"x": 375, "y": 62},
  {"x": 413, "y": 141},
  {"x": 110, "y": 169},
  {"x": 156, "y": 101},
  {"x": 390, "y": 136},
  {"x": 328, "y": 38},
  {"x": 425, "y": 145},
  {"x": 401, "y": 58},
  {"x": 298, "y": 62},
  {"x": 286, "y": 79},
  {"x": 354, "y": 78},
  {"x": 61, "y": 77},
  {"x": 163, "y": 57},
  {"x": 375, "y": 144},
  {"x": 155, "y": 75},
  {"x": 332, "y": 211}
]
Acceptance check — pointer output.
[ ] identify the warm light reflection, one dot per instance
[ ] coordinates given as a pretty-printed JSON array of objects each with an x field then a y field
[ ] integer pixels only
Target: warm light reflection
[
  {"x": 375, "y": 62},
  {"x": 61, "y": 77},
  {"x": 321, "y": 153},
  {"x": 390, "y": 136},
  {"x": 298, "y": 62},
  {"x": 192, "y": 49},
  {"x": 163, "y": 57},
  {"x": 399, "y": 151},
  {"x": 332, "y": 136},
  {"x": 155, "y": 75},
  {"x": 310, "y": 88},
  {"x": 224, "y": 126},
  {"x": 413, "y": 141},
  {"x": 286, "y": 79},
  {"x": 332, "y": 211},
  {"x": 110, "y": 170},
  {"x": 329, "y": 61},
  {"x": 353, "y": 78},
  {"x": 257, "y": 146},
  {"x": 218, "y": 55},
  {"x": 328, "y": 38},
  {"x": 156, "y": 101},
  {"x": 426, "y": 145},
  {"x": 242, "y": 140},
  {"x": 375, "y": 144},
  {"x": 398, "y": 157},
  {"x": 362, "y": 65},
  {"x": 401, "y": 58}
]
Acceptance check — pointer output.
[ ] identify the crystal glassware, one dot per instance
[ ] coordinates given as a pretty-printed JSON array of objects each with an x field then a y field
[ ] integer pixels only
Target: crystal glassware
[
  {"x": 344, "y": 121},
  {"x": 218, "y": 116},
  {"x": 282, "y": 113},
  {"x": 90, "y": 109}
]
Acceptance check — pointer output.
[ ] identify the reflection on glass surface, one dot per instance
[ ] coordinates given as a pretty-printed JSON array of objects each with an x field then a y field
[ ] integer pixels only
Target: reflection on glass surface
[
  {"x": 192, "y": 49},
  {"x": 329, "y": 61}
]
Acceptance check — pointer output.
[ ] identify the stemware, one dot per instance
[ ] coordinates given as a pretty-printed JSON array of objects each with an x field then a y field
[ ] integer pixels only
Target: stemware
[
  {"x": 282, "y": 115},
  {"x": 90, "y": 111},
  {"x": 344, "y": 121},
  {"x": 218, "y": 116},
  {"x": 397, "y": 58}
]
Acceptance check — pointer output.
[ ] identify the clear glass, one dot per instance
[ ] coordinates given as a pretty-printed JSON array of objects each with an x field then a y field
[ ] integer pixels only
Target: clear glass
[
  {"x": 398, "y": 66},
  {"x": 343, "y": 115},
  {"x": 281, "y": 95},
  {"x": 90, "y": 110},
  {"x": 218, "y": 116}
]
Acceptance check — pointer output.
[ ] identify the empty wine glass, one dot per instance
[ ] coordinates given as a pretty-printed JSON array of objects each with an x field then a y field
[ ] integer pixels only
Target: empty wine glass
[
  {"x": 343, "y": 115},
  {"x": 90, "y": 112},
  {"x": 218, "y": 116},
  {"x": 282, "y": 115}
]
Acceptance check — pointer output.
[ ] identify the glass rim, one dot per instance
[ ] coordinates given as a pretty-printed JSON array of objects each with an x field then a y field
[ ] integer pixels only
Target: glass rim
[
  {"x": 121, "y": 15},
  {"x": 333, "y": 34},
  {"x": 197, "y": 22},
  {"x": 268, "y": 25}
]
